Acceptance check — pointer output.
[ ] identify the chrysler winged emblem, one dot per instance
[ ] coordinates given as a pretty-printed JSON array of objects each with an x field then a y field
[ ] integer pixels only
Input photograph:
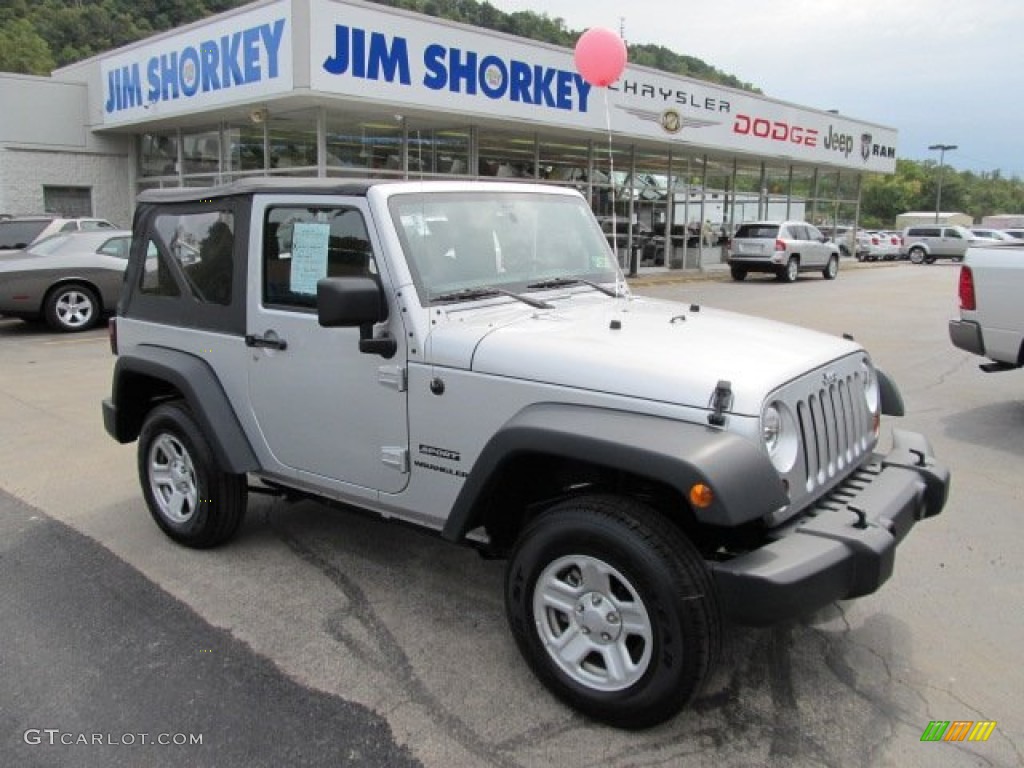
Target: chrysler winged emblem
[{"x": 670, "y": 120}]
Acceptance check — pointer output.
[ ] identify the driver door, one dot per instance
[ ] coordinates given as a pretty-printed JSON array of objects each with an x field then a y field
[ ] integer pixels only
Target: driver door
[{"x": 326, "y": 411}]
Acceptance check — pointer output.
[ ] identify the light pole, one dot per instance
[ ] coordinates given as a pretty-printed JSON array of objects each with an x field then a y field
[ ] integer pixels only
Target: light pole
[{"x": 942, "y": 155}]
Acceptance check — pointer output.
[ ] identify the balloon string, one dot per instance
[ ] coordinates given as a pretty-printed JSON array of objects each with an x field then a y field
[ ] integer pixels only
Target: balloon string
[{"x": 611, "y": 187}]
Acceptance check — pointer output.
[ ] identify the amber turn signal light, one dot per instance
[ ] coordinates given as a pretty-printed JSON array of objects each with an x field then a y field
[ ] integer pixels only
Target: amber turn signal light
[{"x": 701, "y": 496}]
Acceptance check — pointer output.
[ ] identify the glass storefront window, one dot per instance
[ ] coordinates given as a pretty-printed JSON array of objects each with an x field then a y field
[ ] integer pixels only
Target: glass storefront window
[
  {"x": 292, "y": 139},
  {"x": 564, "y": 162},
  {"x": 507, "y": 155},
  {"x": 201, "y": 151},
  {"x": 439, "y": 150},
  {"x": 158, "y": 154},
  {"x": 244, "y": 151},
  {"x": 366, "y": 145}
]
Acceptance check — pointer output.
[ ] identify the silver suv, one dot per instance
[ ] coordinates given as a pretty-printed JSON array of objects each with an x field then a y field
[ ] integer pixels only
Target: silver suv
[
  {"x": 784, "y": 248},
  {"x": 467, "y": 357},
  {"x": 925, "y": 244}
]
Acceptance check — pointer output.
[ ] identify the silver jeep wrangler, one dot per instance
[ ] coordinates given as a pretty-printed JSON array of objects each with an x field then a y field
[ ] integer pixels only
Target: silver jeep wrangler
[{"x": 467, "y": 357}]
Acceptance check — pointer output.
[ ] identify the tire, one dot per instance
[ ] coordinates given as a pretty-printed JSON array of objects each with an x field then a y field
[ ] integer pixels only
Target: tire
[
  {"x": 831, "y": 269},
  {"x": 586, "y": 569},
  {"x": 72, "y": 307},
  {"x": 917, "y": 255},
  {"x": 738, "y": 273},
  {"x": 788, "y": 274},
  {"x": 192, "y": 499}
]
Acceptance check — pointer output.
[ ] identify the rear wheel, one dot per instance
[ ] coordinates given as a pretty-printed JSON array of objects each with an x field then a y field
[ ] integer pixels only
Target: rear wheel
[
  {"x": 738, "y": 273},
  {"x": 831, "y": 269},
  {"x": 917, "y": 255},
  {"x": 191, "y": 498},
  {"x": 71, "y": 308},
  {"x": 789, "y": 273},
  {"x": 613, "y": 609}
]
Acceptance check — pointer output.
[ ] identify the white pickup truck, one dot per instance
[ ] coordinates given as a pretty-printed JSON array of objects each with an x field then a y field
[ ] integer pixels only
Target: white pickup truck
[{"x": 991, "y": 294}]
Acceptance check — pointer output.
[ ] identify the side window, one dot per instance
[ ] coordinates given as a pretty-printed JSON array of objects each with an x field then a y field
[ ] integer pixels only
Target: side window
[
  {"x": 813, "y": 233},
  {"x": 303, "y": 244},
  {"x": 952, "y": 233},
  {"x": 202, "y": 245},
  {"x": 116, "y": 246},
  {"x": 157, "y": 279},
  {"x": 71, "y": 226}
]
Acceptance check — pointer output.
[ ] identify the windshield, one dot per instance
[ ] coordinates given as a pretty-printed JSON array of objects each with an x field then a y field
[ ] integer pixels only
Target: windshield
[{"x": 490, "y": 239}]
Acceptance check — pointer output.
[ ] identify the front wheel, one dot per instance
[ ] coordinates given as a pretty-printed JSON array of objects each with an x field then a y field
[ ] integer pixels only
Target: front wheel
[
  {"x": 191, "y": 498},
  {"x": 831, "y": 269},
  {"x": 71, "y": 308},
  {"x": 613, "y": 609}
]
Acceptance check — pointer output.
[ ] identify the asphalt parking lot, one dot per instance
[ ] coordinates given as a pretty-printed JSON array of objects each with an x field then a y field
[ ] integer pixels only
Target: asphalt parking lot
[{"x": 413, "y": 629}]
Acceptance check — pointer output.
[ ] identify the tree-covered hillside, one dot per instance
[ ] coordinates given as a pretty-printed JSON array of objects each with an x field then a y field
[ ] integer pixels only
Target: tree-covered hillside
[{"x": 36, "y": 37}]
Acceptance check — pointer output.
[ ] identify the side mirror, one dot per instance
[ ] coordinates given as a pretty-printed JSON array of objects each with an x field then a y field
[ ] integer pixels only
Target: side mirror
[
  {"x": 349, "y": 302},
  {"x": 355, "y": 302}
]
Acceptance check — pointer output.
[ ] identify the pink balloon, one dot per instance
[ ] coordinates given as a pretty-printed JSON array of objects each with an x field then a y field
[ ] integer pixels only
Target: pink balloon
[{"x": 600, "y": 56}]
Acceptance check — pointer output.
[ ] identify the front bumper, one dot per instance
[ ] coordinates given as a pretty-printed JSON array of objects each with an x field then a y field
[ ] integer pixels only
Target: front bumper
[{"x": 844, "y": 546}]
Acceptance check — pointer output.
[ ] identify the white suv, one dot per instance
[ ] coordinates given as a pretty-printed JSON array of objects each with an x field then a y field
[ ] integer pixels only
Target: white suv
[{"x": 784, "y": 248}]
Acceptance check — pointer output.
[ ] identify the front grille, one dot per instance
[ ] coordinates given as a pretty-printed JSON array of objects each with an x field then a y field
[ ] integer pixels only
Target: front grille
[{"x": 835, "y": 429}]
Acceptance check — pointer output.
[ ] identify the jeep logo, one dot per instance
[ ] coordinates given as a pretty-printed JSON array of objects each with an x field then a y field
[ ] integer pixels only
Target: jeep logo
[{"x": 838, "y": 142}]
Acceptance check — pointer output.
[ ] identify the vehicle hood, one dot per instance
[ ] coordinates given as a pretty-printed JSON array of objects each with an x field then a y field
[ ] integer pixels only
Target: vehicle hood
[{"x": 660, "y": 351}]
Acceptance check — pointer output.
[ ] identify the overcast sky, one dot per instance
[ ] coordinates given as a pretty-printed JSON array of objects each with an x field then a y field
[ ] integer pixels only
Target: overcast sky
[{"x": 938, "y": 71}]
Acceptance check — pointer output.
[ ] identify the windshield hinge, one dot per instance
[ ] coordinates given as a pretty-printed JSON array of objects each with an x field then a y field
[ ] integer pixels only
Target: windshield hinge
[
  {"x": 393, "y": 376},
  {"x": 395, "y": 457}
]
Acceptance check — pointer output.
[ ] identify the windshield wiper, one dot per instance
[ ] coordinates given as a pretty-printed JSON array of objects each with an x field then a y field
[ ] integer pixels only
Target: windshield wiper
[
  {"x": 559, "y": 282},
  {"x": 486, "y": 291}
]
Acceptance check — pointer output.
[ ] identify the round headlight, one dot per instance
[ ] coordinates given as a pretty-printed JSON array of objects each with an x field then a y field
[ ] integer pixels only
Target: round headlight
[
  {"x": 771, "y": 428},
  {"x": 779, "y": 436},
  {"x": 871, "y": 392}
]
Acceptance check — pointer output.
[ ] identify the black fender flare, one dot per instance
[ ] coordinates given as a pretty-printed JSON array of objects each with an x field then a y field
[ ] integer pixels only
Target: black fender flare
[
  {"x": 679, "y": 454},
  {"x": 890, "y": 399},
  {"x": 198, "y": 384}
]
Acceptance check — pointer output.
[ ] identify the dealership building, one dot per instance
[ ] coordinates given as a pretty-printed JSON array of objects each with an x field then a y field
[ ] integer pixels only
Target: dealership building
[{"x": 340, "y": 89}]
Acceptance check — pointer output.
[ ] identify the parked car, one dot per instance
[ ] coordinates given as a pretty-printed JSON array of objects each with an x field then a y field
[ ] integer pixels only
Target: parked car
[
  {"x": 851, "y": 242},
  {"x": 992, "y": 235},
  {"x": 70, "y": 280},
  {"x": 784, "y": 248},
  {"x": 882, "y": 246},
  {"x": 925, "y": 244},
  {"x": 20, "y": 232}
]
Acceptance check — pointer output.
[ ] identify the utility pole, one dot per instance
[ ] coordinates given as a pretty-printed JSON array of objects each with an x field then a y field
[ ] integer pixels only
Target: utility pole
[{"x": 943, "y": 148}]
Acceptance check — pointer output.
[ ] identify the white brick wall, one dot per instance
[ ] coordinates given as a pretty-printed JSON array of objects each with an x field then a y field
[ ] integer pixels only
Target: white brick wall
[{"x": 24, "y": 173}]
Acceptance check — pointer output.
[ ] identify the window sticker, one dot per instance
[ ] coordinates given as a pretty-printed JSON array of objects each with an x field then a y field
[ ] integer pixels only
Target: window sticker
[{"x": 309, "y": 255}]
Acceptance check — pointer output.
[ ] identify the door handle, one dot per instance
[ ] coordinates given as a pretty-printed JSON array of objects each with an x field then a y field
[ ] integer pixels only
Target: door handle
[{"x": 268, "y": 341}]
